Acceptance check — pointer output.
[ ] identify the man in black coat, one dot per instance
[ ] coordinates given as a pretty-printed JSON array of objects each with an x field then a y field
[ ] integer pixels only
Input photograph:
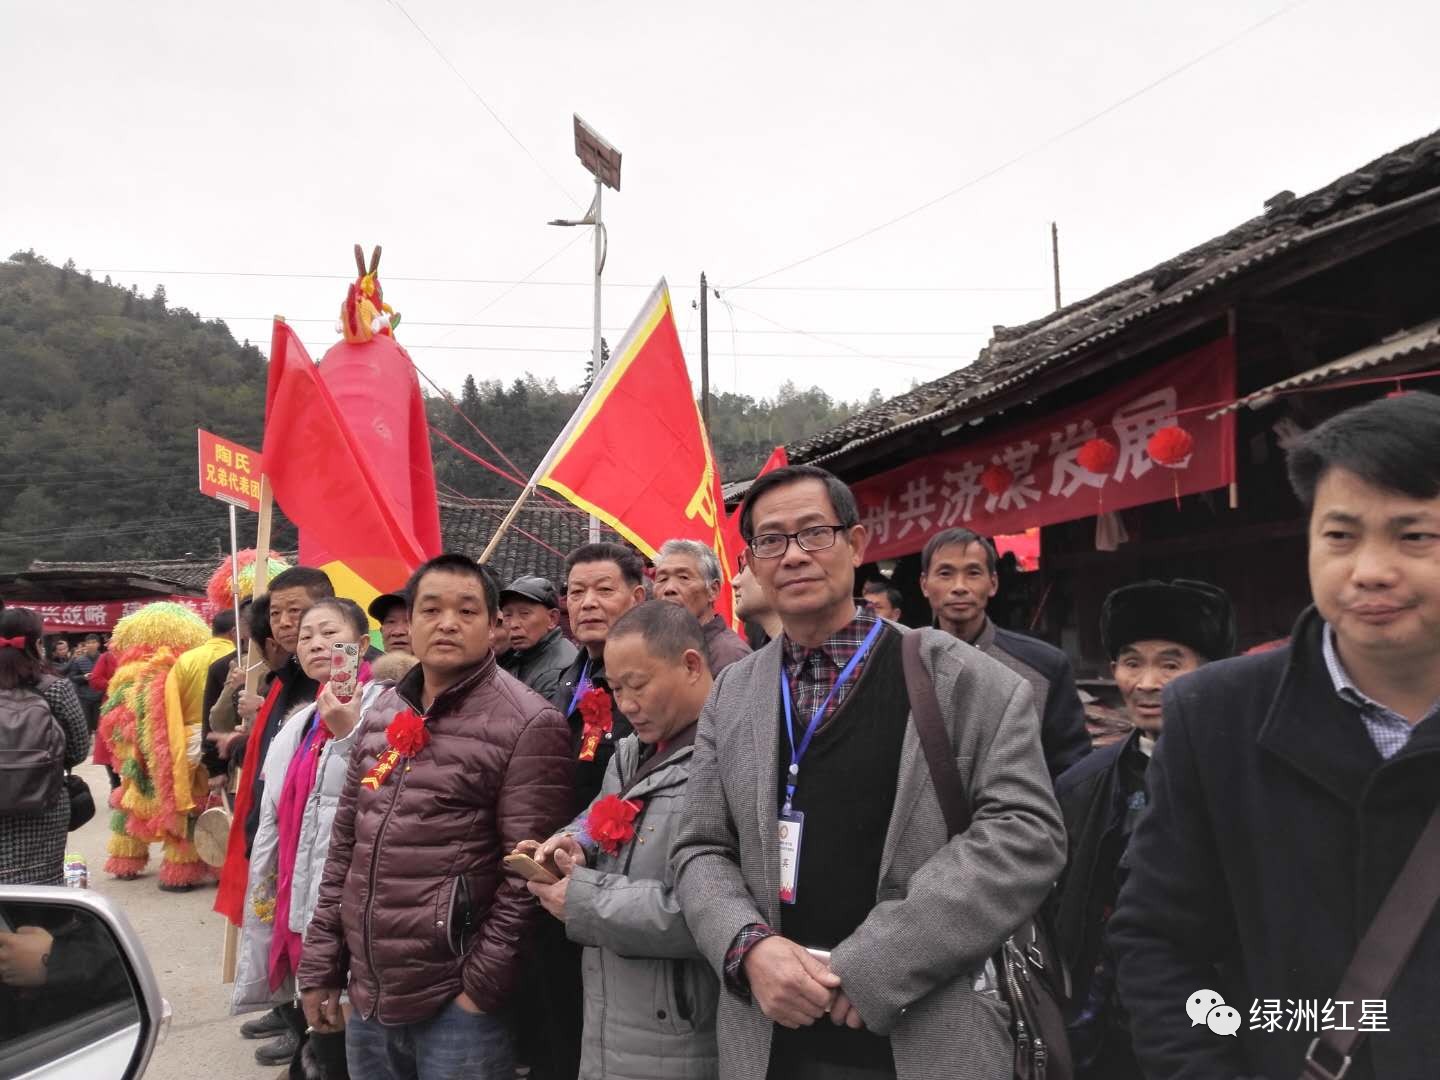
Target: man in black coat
[
  {"x": 1154, "y": 632},
  {"x": 1290, "y": 787},
  {"x": 959, "y": 573}
]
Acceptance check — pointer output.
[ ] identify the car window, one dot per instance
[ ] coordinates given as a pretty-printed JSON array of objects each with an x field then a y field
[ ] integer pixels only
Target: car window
[{"x": 64, "y": 988}]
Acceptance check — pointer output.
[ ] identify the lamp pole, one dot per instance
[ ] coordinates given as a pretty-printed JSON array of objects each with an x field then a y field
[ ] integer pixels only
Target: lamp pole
[
  {"x": 603, "y": 162},
  {"x": 595, "y": 360}
]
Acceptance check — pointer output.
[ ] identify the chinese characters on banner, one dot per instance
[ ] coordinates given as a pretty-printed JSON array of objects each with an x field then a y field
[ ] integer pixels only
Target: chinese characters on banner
[
  {"x": 74, "y": 616},
  {"x": 902, "y": 508},
  {"x": 229, "y": 472}
]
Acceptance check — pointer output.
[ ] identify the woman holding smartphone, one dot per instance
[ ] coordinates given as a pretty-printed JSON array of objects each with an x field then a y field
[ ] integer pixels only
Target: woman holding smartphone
[{"x": 304, "y": 775}]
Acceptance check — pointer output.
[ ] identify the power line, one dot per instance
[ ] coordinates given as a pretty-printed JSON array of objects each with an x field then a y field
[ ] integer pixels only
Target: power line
[
  {"x": 611, "y": 329},
  {"x": 646, "y": 285},
  {"x": 854, "y": 353},
  {"x": 1034, "y": 149},
  {"x": 484, "y": 104},
  {"x": 535, "y": 270}
]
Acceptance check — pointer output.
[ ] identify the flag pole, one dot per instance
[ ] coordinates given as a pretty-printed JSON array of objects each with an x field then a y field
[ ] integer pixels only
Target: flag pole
[
  {"x": 230, "y": 951},
  {"x": 597, "y": 386},
  {"x": 235, "y": 579}
]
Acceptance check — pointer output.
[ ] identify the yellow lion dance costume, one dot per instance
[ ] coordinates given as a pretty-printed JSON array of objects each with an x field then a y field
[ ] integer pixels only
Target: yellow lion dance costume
[{"x": 155, "y": 798}]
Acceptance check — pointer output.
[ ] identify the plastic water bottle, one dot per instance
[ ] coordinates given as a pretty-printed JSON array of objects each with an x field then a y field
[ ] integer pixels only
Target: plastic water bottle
[{"x": 77, "y": 874}]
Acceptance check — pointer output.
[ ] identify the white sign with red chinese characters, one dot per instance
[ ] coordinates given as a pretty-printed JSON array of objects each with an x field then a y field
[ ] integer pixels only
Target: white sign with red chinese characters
[{"x": 1046, "y": 483}]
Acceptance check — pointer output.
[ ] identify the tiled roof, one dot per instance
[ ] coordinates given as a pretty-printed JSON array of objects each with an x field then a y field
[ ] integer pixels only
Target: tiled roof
[
  {"x": 191, "y": 574},
  {"x": 535, "y": 544},
  {"x": 1016, "y": 354}
]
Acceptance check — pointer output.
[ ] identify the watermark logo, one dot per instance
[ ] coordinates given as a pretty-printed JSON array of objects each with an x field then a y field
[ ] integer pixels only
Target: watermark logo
[{"x": 1209, "y": 1008}]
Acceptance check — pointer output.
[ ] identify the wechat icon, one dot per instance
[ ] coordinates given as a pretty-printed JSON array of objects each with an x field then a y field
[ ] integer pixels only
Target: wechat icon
[{"x": 1209, "y": 1008}]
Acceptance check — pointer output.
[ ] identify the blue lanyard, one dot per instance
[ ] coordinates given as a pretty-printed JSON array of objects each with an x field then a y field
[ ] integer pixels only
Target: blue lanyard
[
  {"x": 798, "y": 752},
  {"x": 581, "y": 685}
]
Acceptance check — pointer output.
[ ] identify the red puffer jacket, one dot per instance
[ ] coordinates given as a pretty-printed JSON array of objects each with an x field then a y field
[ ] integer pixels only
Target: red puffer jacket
[{"x": 414, "y": 902}]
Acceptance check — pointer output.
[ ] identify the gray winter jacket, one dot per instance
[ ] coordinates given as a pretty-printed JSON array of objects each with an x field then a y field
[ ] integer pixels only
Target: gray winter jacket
[
  {"x": 540, "y": 666},
  {"x": 252, "y": 966},
  {"x": 650, "y": 998}
]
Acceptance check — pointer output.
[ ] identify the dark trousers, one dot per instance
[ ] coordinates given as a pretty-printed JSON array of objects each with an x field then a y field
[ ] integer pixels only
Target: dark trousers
[{"x": 551, "y": 1004}]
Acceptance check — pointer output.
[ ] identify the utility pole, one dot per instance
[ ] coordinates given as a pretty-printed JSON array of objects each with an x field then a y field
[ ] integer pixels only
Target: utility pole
[
  {"x": 704, "y": 353},
  {"x": 1055, "y": 260}
]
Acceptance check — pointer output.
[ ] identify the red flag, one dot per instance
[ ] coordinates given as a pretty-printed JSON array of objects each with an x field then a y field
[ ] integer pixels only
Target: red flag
[
  {"x": 324, "y": 481},
  {"x": 235, "y": 875},
  {"x": 734, "y": 542},
  {"x": 635, "y": 454}
]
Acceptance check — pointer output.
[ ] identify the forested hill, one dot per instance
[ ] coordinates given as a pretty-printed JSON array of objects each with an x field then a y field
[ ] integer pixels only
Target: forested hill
[{"x": 103, "y": 389}]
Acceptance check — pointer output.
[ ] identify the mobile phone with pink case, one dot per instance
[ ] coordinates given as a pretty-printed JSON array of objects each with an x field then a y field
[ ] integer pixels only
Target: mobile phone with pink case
[{"x": 344, "y": 669}]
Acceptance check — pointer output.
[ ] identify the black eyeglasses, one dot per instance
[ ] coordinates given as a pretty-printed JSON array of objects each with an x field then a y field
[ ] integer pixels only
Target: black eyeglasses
[{"x": 810, "y": 538}]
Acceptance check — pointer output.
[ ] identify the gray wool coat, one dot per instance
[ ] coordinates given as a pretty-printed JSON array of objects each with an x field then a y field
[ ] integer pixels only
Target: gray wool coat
[
  {"x": 649, "y": 996},
  {"x": 915, "y": 968}
]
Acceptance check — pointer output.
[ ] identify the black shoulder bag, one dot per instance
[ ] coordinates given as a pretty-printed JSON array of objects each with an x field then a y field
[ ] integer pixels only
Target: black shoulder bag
[{"x": 1032, "y": 976}]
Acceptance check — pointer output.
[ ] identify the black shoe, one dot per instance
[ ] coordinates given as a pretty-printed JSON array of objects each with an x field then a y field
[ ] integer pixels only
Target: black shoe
[
  {"x": 264, "y": 1027},
  {"x": 280, "y": 1051}
]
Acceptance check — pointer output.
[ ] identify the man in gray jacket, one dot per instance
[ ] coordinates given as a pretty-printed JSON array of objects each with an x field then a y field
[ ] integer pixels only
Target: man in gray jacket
[
  {"x": 539, "y": 652},
  {"x": 649, "y": 996},
  {"x": 813, "y": 864}
]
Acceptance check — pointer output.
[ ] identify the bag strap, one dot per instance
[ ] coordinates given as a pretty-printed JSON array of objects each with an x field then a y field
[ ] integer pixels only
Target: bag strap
[
  {"x": 1383, "y": 950},
  {"x": 934, "y": 739}
]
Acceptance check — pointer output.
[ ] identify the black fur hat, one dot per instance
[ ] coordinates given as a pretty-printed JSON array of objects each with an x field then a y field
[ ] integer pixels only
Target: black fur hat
[{"x": 1192, "y": 613}]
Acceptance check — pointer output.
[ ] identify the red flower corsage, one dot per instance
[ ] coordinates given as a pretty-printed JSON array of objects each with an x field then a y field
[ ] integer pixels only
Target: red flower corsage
[
  {"x": 611, "y": 822},
  {"x": 407, "y": 736},
  {"x": 599, "y": 718}
]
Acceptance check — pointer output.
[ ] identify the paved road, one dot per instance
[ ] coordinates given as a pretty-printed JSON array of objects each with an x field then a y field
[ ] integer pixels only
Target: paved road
[{"x": 182, "y": 937}]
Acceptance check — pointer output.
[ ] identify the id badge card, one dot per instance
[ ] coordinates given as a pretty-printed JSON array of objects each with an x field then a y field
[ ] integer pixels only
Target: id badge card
[{"x": 791, "y": 826}]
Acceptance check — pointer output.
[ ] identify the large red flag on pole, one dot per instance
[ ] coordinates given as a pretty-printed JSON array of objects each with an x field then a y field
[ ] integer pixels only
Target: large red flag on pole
[
  {"x": 636, "y": 454},
  {"x": 324, "y": 481},
  {"x": 734, "y": 542}
]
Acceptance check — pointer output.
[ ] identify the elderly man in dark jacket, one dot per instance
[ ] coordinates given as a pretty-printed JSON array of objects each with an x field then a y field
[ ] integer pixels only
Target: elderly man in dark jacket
[
  {"x": 687, "y": 573},
  {"x": 1290, "y": 788},
  {"x": 1154, "y": 631},
  {"x": 455, "y": 766},
  {"x": 540, "y": 653}
]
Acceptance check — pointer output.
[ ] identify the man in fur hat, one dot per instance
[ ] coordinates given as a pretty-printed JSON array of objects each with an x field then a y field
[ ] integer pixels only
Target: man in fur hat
[{"x": 1154, "y": 631}]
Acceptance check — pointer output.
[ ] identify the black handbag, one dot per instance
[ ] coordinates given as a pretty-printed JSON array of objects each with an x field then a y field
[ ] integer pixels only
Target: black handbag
[
  {"x": 82, "y": 803},
  {"x": 1031, "y": 974}
]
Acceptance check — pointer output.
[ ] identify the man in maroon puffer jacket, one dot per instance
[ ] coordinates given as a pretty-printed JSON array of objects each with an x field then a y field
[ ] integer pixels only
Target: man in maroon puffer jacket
[{"x": 454, "y": 766}]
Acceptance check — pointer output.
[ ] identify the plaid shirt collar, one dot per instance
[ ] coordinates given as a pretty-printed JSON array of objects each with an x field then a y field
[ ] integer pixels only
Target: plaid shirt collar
[
  {"x": 834, "y": 652},
  {"x": 1388, "y": 730}
]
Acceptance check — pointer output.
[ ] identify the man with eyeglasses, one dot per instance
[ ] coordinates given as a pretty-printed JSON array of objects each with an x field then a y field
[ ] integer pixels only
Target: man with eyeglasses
[{"x": 814, "y": 867}]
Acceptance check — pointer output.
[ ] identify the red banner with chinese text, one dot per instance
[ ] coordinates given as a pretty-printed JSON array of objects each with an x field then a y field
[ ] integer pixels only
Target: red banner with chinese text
[
  {"x": 902, "y": 508},
  {"x": 74, "y": 616},
  {"x": 229, "y": 472}
]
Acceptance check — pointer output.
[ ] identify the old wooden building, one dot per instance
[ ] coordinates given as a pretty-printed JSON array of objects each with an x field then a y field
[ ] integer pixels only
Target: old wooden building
[{"x": 1286, "y": 313}]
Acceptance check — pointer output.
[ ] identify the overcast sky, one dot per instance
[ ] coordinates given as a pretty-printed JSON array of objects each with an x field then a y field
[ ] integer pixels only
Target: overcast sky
[{"x": 155, "y": 140}]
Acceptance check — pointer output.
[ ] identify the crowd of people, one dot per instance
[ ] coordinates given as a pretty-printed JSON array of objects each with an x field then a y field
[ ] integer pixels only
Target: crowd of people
[{"x": 591, "y": 831}]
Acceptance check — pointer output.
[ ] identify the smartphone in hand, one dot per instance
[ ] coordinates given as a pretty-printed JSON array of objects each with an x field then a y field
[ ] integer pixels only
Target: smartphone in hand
[{"x": 344, "y": 669}]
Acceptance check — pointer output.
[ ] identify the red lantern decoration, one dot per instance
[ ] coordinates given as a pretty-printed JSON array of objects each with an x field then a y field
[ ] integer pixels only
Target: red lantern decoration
[
  {"x": 1098, "y": 456},
  {"x": 1171, "y": 447},
  {"x": 996, "y": 479}
]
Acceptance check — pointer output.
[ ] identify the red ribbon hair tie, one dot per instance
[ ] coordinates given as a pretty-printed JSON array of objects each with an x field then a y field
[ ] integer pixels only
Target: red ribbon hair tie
[{"x": 12, "y": 642}]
